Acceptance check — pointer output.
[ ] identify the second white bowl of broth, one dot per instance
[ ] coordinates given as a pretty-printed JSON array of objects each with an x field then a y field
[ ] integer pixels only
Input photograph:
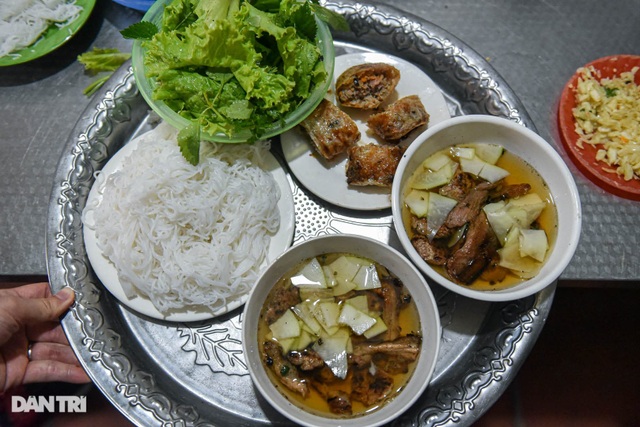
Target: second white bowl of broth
[
  {"x": 527, "y": 156},
  {"x": 418, "y": 322}
]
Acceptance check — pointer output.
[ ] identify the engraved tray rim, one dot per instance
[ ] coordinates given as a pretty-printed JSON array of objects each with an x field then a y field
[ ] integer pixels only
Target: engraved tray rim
[{"x": 459, "y": 396}]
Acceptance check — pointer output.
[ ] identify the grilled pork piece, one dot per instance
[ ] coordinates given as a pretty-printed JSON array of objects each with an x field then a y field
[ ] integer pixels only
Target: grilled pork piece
[
  {"x": 282, "y": 300},
  {"x": 393, "y": 357},
  {"x": 407, "y": 347},
  {"x": 504, "y": 192},
  {"x": 430, "y": 252},
  {"x": 374, "y": 302},
  {"x": 392, "y": 364},
  {"x": 284, "y": 370},
  {"x": 480, "y": 246},
  {"x": 466, "y": 209},
  {"x": 392, "y": 303},
  {"x": 399, "y": 118},
  {"x": 331, "y": 130},
  {"x": 339, "y": 403},
  {"x": 306, "y": 359},
  {"x": 459, "y": 186},
  {"x": 338, "y": 400},
  {"x": 370, "y": 388},
  {"x": 323, "y": 375},
  {"x": 494, "y": 273},
  {"x": 366, "y": 86},
  {"x": 419, "y": 226},
  {"x": 372, "y": 164}
]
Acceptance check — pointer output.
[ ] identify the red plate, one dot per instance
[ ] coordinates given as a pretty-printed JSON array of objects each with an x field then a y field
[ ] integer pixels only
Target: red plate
[{"x": 584, "y": 158}]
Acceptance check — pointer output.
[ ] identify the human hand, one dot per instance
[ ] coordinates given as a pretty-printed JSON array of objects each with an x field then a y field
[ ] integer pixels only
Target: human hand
[{"x": 33, "y": 346}]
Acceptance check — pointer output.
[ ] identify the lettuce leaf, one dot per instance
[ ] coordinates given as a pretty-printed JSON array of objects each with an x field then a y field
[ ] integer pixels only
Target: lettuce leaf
[
  {"x": 232, "y": 67},
  {"x": 101, "y": 61},
  {"x": 179, "y": 15},
  {"x": 212, "y": 98}
]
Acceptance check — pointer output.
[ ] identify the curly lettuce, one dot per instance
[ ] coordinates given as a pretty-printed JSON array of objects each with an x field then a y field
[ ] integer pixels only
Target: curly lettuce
[{"x": 232, "y": 66}]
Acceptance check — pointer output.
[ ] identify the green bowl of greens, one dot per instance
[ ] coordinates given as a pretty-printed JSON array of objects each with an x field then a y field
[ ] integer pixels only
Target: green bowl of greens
[{"x": 233, "y": 70}]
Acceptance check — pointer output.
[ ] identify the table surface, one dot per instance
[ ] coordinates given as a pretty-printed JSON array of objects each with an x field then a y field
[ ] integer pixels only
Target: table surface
[{"x": 535, "y": 46}]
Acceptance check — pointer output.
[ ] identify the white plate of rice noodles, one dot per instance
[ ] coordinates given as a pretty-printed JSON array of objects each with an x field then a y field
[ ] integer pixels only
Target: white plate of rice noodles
[{"x": 178, "y": 242}]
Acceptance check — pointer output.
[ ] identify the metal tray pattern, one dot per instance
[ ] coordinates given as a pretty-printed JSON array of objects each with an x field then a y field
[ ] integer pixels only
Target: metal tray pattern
[{"x": 194, "y": 374}]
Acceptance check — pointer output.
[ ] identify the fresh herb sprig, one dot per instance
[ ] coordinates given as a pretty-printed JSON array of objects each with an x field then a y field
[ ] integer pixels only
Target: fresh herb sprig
[{"x": 143, "y": 30}]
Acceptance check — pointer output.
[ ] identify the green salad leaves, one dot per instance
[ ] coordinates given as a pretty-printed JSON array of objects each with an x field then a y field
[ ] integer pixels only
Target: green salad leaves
[
  {"x": 234, "y": 66},
  {"x": 101, "y": 61}
]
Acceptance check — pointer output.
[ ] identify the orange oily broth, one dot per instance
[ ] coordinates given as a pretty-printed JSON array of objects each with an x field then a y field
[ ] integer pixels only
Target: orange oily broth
[
  {"x": 409, "y": 322},
  {"x": 519, "y": 172}
]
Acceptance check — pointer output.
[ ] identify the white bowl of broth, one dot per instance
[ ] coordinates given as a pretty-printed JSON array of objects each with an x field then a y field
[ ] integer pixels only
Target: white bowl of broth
[
  {"x": 483, "y": 253},
  {"x": 368, "y": 372}
]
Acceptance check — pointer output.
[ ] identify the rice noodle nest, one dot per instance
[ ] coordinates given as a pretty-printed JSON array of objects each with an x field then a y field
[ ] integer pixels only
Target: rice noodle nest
[{"x": 183, "y": 235}]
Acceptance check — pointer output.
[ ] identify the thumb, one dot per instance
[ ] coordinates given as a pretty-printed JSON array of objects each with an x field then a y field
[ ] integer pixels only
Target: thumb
[{"x": 45, "y": 309}]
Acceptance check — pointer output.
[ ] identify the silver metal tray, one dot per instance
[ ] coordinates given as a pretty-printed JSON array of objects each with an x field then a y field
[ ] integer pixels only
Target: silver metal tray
[{"x": 195, "y": 374}]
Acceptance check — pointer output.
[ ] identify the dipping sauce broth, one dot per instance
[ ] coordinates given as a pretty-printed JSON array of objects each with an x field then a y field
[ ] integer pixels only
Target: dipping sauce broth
[
  {"x": 519, "y": 172},
  {"x": 356, "y": 365}
]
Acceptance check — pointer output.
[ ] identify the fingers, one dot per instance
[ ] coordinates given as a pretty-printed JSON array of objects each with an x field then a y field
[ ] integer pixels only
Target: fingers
[
  {"x": 47, "y": 332},
  {"x": 29, "y": 310},
  {"x": 30, "y": 313},
  {"x": 53, "y": 351},
  {"x": 52, "y": 370},
  {"x": 33, "y": 290},
  {"x": 53, "y": 362}
]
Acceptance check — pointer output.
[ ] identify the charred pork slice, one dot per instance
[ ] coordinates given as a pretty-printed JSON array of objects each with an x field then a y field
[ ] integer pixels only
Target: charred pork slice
[
  {"x": 339, "y": 403},
  {"x": 419, "y": 226},
  {"x": 429, "y": 251},
  {"x": 392, "y": 364},
  {"x": 480, "y": 246},
  {"x": 331, "y": 130},
  {"x": 306, "y": 359},
  {"x": 370, "y": 388},
  {"x": 396, "y": 356},
  {"x": 407, "y": 347},
  {"x": 399, "y": 118},
  {"x": 392, "y": 357},
  {"x": 392, "y": 303},
  {"x": 338, "y": 400},
  {"x": 459, "y": 186},
  {"x": 504, "y": 192},
  {"x": 466, "y": 210},
  {"x": 366, "y": 86},
  {"x": 282, "y": 300},
  {"x": 284, "y": 370},
  {"x": 494, "y": 273},
  {"x": 373, "y": 164},
  {"x": 375, "y": 303}
]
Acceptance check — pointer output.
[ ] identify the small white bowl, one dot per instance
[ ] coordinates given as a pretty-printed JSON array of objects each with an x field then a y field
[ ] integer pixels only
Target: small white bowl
[
  {"x": 395, "y": 262},
  {"x": 530, "y": 147}
]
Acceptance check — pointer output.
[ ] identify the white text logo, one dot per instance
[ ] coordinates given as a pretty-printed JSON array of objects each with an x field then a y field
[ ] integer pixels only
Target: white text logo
[{"x": 49, "y": 404}]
